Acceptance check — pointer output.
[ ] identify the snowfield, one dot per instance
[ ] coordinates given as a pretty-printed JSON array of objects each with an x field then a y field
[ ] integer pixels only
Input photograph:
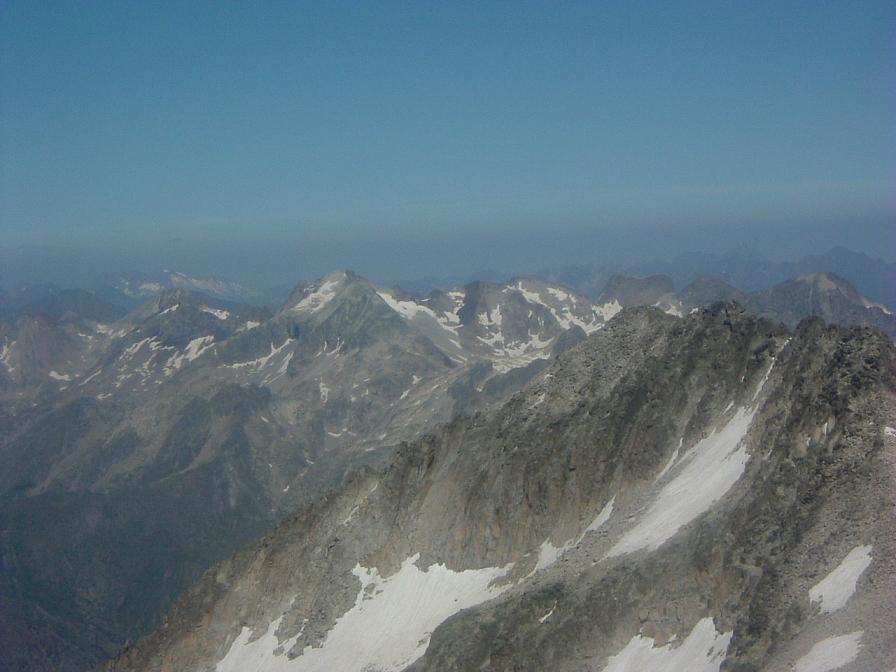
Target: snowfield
[
  {"x": 702, "y": 651},
  {"x": 830, "y": 654},
  {"x": 834, "y": 590},
  {"x": 387, "y": 629},
  {"x": 706, "y": 472}
]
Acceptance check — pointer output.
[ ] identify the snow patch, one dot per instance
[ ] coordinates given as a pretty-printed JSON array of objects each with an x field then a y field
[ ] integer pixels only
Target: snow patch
[
  {"x": 59, "y": 376},
  {"x": 193, "y": 350},
  {"x": 6, "y": 354},
  {"x": 316, "y": 299},
  {"x": 220, "y": 314},
  {"x": 548, "y": 554},
  {"x": 703, "y": 651},
  {"x": 834, "y": 590},
  {"x": 261, "y": 362},
  {"x": 830, "y": 653},
  {"x": 387, "y": 629},
  {"x": 608, "y": 310},
  {"x": 90, "y": 377},
  {"x": 709, "y": 470},
  {"x": 602, "y": 517},
  {"x": 671, "y": 461}
]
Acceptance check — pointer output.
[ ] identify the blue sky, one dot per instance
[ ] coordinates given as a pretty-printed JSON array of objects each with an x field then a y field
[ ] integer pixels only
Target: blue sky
[{"x": 133, "y": 121}]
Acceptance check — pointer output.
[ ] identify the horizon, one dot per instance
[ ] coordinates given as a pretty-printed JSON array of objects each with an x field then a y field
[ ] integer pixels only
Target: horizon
[{"x": 333, "y": 132}]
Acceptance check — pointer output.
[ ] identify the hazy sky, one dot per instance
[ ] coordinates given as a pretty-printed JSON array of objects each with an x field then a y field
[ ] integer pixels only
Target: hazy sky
[{"x": 139, "y": 121}]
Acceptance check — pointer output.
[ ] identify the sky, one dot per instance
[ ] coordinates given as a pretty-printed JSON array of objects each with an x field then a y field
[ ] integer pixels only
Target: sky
[{"x": 131, "y": 126}]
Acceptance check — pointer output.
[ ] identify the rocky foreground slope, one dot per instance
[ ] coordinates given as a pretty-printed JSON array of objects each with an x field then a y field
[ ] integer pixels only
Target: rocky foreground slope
[{"x": 707, "y": 493}]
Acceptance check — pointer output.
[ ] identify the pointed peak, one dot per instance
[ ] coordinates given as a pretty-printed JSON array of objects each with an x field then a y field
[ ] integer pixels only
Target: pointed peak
[{"x": 311, "y": 297}]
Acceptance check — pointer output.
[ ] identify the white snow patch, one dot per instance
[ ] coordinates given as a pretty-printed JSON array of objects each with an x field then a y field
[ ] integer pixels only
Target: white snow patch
[
  {"x": 671, "y": 461},
  {"x": 6, "y": 353},
  {"x": 608, "y": 310},
  {"x": 316, "y": 298},
  {"x": 261, "y": 362},
  {"x": 324, "y": 391},
  {"x": 59, "y": 376},
  {"x": 491, "y": 318},
  {"x": 220, "y": 314},
  {"x": 710, "y": 469},
  {"x": 193, "y": 350},
  {"x": 387, "y": 629},
  {"x": 834, "y": 590},
  {"x": 548, "y": 554},
  {"x": 558, "y": 293},
  {"x": 768, "y": 373},
  {"x": 602, "y": 517},
  {"x": 250, "y": 324},
  {"x": 830, "y": 653},
  {"x": 544, "y": 618},
  {"x": 507, "y": 357},
  {"x": 170, "y": 309},
  {"x": 90, "y": 377},
  {"x": 889, "y": 431},
  {"x": 563, "y": 312},
  {"x": 702, "y": 651},
  {"x": 132, "y": 349}
]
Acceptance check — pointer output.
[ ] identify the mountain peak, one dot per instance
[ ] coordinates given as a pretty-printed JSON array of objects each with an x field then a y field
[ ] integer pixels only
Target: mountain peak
[
  {"x": 309, "y": 298},
  {"x": 632, "y": 291},
  {"x": 826, "y": 281}
]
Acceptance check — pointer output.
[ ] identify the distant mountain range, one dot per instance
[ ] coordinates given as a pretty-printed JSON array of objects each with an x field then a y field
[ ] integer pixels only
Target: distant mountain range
[
  {"x": 131, "y": 289},
  {"x": 822, "y": 295},
  {"x": 141, "y": 448},
  {"x": 748, "y": 271}
]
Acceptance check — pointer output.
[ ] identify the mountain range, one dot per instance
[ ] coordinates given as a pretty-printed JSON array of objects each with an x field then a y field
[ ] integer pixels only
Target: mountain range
[
  {"x": 142, "y": 448},
  {"x": 703, "y": 493}
]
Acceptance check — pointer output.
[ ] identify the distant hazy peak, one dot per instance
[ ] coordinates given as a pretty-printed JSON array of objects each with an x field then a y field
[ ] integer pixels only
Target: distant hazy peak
[{"x": 633, "y": 291}]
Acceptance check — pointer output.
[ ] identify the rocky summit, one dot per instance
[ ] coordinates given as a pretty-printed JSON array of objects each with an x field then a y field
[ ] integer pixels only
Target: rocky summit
[{"x": 713, "y": 492}]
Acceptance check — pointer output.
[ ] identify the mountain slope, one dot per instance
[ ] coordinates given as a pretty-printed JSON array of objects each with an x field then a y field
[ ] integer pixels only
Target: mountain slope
[
  {"x": 667, "y": 488},
  {"x": 193, "y": 425}
]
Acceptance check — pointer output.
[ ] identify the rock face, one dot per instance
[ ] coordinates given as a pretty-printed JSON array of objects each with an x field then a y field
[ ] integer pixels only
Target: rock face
[
  {"x": 703, "y": 493},
  {"x": 140, "y": 451}
]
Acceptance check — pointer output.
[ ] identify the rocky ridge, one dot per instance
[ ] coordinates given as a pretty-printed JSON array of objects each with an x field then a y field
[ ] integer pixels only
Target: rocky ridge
[{"x": 710, "y": 493}]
